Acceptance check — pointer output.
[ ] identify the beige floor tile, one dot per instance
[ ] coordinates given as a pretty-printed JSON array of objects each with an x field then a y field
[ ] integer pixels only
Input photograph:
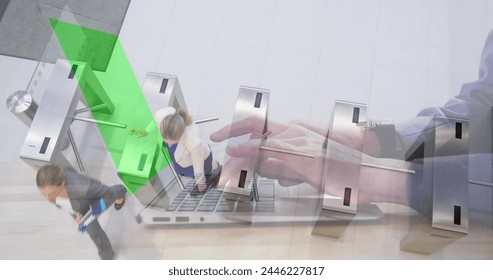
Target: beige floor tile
[
  {"x": 262, "y": 234},
  {"x": 133, "y": 241},
  {"x": 170, "y": 254},
  {"x": 52, "y": 254},
  {"x": 257, "y": 251},
  {"x": 20, "y": 193},
  {"x": 319, "y": 251},
  {"x": 137, "y": 253},
  {"x": 200, "y": 240}
]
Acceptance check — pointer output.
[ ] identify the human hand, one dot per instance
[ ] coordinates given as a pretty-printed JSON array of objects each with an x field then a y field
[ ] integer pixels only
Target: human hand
[
  {"x": 78, "y": 217},
  {"x": 139, "y": 132},
  {"x": 327, "y": 170},
  {"x": 371, "y": 145},
  {"x": 288, "y": 169},
  {"x": 201, "y": 187}
]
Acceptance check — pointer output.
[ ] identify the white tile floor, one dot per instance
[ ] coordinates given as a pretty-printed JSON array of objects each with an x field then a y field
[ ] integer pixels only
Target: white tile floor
[
  {"x": 308, "y": 53},
  {"x": 31, "y": 228}
]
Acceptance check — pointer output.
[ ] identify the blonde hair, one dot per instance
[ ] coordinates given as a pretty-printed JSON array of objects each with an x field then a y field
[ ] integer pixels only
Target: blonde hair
[
  {"x": 50, "y": 175},
  {"x": 172, "y": 126}
]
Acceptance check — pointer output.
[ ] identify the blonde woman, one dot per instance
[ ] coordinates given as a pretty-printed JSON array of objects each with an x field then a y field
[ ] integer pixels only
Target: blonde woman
[{"x": 190, "y": 154}]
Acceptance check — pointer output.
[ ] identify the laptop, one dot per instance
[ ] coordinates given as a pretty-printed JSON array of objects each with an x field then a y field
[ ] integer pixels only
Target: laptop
[{"x": 244, "y": 198}]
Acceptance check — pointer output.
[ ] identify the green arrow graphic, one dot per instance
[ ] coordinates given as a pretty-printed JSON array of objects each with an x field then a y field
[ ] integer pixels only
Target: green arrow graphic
[{"x": 138, "y": 159}]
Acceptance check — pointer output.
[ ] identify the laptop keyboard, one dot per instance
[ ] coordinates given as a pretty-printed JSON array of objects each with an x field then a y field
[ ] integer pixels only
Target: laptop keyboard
[{"x": 214, "y": 200}]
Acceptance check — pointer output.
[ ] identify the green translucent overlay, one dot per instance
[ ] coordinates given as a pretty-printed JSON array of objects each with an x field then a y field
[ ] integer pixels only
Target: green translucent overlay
[{"x": 138, "y": 159}]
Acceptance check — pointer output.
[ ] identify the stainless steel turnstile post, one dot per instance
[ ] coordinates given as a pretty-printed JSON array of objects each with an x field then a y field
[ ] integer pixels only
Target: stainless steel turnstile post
[
  {"x": 445, "y": 195},
  {"x": 49, "y": 123},
  {"x": 338, "y": 211},
  {"x": 139, "y": 159}
]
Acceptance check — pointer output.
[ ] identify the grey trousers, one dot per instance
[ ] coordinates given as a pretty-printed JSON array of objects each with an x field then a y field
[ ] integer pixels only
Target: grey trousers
[
  {"x": 95, "y": 231},
  {"x": 101, "y": 240}
]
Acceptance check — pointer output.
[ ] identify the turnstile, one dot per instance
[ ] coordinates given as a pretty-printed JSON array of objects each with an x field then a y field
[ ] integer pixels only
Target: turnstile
[
  {"x": 444, "y": 191},
  {"x": 57, "y": 109}
]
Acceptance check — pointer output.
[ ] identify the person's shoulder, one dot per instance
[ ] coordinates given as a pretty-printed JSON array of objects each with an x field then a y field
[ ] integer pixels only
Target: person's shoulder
[
  {"x": 72, "y": 180},
  {"x": 73, "y": 177},
  {"x": 70, "y": 171},
  {"x": 191, "y": 135},
  {"x": 192, "y": 130}
]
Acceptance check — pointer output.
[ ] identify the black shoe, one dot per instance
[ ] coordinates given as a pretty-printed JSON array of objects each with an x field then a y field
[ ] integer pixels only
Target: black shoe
[{"x": 119, "y": 206}]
